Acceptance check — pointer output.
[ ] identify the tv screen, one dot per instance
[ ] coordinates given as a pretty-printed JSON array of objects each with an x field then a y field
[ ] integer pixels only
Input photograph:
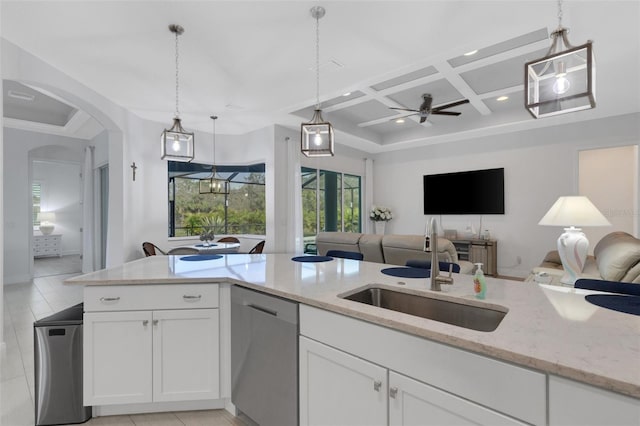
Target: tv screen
[{"x": 472, "y": 192}]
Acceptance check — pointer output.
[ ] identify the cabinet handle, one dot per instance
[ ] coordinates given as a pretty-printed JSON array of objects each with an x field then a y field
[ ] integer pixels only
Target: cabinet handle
[
  {"x": 393, "y": 392},
  {"x": 109, "y": 299},
  {"x": 189, "y": 297},
  {"x": 155, "y": 322},
  {"x": 145, "y": 322},
  {"x": 377, "y": 385}
]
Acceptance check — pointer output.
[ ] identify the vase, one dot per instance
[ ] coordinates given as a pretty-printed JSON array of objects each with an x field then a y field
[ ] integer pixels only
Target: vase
[{"x": 380, "y": 227}]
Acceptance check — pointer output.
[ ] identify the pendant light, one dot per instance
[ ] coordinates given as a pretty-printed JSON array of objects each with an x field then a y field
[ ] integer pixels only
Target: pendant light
[
  {"x": 317, "y": 135},
  {"x": 177, "y": 143},
  {"x": 214, "y": 185},
  {"x": 564, "y": 79}
]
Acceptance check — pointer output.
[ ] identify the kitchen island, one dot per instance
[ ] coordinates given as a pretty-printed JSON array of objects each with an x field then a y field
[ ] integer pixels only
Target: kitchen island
[{"x": 549, "y": 331}]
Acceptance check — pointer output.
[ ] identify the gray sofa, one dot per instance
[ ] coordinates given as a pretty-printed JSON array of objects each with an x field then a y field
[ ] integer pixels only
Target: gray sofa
[
  {"x": 616, "y": 257},
  {"x": 392, "y": 249}
]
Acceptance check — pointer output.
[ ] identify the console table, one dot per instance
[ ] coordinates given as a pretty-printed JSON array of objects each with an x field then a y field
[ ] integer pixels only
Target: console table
[
  {"x": 47, "y": 245},
  {"x": 479, "y": 251}
]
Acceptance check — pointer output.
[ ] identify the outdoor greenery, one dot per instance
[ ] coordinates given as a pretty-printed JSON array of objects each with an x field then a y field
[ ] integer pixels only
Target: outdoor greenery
[{"x": 243, "y": 214}]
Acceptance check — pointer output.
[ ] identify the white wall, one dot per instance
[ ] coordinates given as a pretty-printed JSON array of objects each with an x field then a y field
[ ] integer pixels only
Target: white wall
[
  {"x": 61, "y": 194},
  {"x": 18, "y": 226},
  {"x": 601, "y": 170},
  {"x": 540, "y": 165}
]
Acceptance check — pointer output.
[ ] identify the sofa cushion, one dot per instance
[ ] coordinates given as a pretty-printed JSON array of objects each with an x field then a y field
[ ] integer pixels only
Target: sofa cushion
[
  {"x": 616, "y": 254},
  {"x": 397, "y": 249},
  {"x": 371, "y": 247},
  {"x": 346, "y": 241}
]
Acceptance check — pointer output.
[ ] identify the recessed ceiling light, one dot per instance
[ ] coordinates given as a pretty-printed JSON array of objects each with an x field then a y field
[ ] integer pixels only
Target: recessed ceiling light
[
  {"x": 399, "y": 120},
  {"x": 21, "y": 95},
  {"x": 473, "y": 52},
  {"x": 502, "y": 98},
  {"x": 346, "y": 94}
]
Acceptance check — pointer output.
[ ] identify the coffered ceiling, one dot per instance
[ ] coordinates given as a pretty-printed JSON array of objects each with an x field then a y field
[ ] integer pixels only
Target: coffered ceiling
[{"x": 252, "y": 63}]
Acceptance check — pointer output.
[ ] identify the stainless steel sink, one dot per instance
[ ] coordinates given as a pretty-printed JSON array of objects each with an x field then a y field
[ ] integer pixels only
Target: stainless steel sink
[{"x": 459, "y": 314}]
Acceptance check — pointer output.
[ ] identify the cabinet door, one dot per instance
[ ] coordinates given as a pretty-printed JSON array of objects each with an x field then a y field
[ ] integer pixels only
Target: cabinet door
[
  {"x": 186, "y": 355},
  {"x": 573, "y": 403},
  {"x": 339, "y": 389},
  {"x": 415, "y": 403},
  {"x": 117, "y": 358}
]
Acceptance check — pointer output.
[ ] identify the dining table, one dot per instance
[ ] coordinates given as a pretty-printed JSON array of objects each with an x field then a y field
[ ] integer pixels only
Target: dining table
[{"x": 216, "y": 248}]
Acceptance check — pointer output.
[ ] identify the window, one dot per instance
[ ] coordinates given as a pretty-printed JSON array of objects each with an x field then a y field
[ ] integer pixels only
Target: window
[
  {"x": 242, "y": 211},
  {"x": 330, "y": 202},
  {"x": 36, "y": 197}
]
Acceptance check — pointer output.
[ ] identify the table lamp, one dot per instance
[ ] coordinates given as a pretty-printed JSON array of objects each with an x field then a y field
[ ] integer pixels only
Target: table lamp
[
  {"x": 45, "y": 219},
  {"x": 573, "y": 245}
]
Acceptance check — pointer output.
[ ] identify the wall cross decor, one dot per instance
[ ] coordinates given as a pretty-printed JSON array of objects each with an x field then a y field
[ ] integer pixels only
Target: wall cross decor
[{"x": 133, "y": 168}]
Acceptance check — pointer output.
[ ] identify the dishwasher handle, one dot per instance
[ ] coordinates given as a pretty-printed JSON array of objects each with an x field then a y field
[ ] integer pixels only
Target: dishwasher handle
[{"x": 263, "y": 309}]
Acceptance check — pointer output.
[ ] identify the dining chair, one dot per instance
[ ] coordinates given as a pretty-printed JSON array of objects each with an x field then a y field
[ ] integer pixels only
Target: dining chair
[
  {"x": 151, "y": 249},
  {"x": 426, "y": 264},
  {"x": 228, "y": 240},
  {"x": 345, "y": 254},
  {"x": 257, "y": 248},
  {"x": 183, "y": 250}
]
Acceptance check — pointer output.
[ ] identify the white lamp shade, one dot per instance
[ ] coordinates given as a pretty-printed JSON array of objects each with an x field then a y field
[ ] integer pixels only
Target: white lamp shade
[
  {"x": 46, "y": 217},
  {"x": 573, "y": 245},
  {"x": 574, "y": 211}
]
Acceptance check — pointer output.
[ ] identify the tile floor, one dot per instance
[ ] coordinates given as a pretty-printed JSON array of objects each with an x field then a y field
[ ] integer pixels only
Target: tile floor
[{"x": 23, "y": 304}]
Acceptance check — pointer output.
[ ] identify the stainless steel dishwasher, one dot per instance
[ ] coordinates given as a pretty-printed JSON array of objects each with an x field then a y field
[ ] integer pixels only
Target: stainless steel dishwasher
[{"x": 264, "y": 357}]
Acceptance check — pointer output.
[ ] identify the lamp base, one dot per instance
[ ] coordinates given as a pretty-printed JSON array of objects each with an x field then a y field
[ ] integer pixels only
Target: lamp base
[
  {"x": 46, "y": 229},
  {"x": 573, "y": 246}
]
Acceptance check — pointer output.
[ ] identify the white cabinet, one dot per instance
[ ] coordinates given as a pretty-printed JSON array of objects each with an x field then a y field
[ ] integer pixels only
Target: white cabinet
[
  {"x": 427, "y": 380},
  {"x": 573, "y": 403},
  {"x": 339, "y": 389},
  {"x": 117, "y": 357},
  {"x": 415, "y": 403},
  {"x": 185, "y": 355},
  {"x": 47, "y": 245},
  {"x": 143, "y": 356}
]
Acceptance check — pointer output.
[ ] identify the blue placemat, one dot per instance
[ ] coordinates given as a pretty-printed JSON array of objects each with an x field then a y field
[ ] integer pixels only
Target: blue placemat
[
  {"x": 311, "y": 258},
  {"x": 405, "y": 272},
  {"x": 199, "y": 257},
  {"x": 210, "y": 245},
  {"x": 626, "y": 304}
]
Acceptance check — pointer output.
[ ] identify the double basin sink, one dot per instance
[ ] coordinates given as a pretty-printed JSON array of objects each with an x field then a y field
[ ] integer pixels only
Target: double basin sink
[{"x": 454, "y": 313}]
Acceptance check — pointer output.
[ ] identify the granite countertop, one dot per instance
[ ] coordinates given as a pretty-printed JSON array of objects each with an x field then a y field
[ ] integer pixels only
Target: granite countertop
[{"x": 548, "y": 328}]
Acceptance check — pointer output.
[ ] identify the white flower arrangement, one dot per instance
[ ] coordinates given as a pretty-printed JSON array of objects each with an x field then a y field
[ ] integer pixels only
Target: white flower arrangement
[{"x": 379, "y": 214}]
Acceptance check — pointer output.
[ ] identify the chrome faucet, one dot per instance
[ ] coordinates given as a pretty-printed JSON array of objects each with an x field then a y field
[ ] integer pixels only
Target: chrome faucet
[{"x": 431, "y": 245}]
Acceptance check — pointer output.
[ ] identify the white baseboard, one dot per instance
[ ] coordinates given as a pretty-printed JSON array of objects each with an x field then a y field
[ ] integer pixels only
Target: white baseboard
[{"x": 158, "y": 407}]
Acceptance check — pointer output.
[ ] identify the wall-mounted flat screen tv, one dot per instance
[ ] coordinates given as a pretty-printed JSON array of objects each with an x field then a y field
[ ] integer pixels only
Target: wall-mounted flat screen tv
[{"x": 471, "y": 192}]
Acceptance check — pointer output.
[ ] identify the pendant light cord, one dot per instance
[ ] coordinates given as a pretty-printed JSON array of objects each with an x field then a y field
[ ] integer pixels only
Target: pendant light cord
[
  {"x": 213, "y": 169},
  {"x": 559, "y": 14},
  {"x": 317, "y": 62},
  {"x": 177, "y": 79}
]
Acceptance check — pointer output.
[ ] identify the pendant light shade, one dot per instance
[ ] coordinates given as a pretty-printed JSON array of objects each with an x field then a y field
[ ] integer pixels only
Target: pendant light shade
[
  {"x": 214, "y": 185},
  {"x": 563, "y": 80},
  {"x": 176, "y": 143},
  {"x": 316, "y": 136}
]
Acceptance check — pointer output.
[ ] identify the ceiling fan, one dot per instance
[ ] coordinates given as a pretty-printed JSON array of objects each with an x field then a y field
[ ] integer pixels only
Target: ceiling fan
[{"x": 425, "y": 109}]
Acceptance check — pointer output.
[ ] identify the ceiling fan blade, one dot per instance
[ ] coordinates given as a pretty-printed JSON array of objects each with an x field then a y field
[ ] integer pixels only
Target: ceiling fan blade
[
  {"x": 404, "y": 109},
  {"x": 452, "y": 104},
  {"x": 446, "y": 113}
]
